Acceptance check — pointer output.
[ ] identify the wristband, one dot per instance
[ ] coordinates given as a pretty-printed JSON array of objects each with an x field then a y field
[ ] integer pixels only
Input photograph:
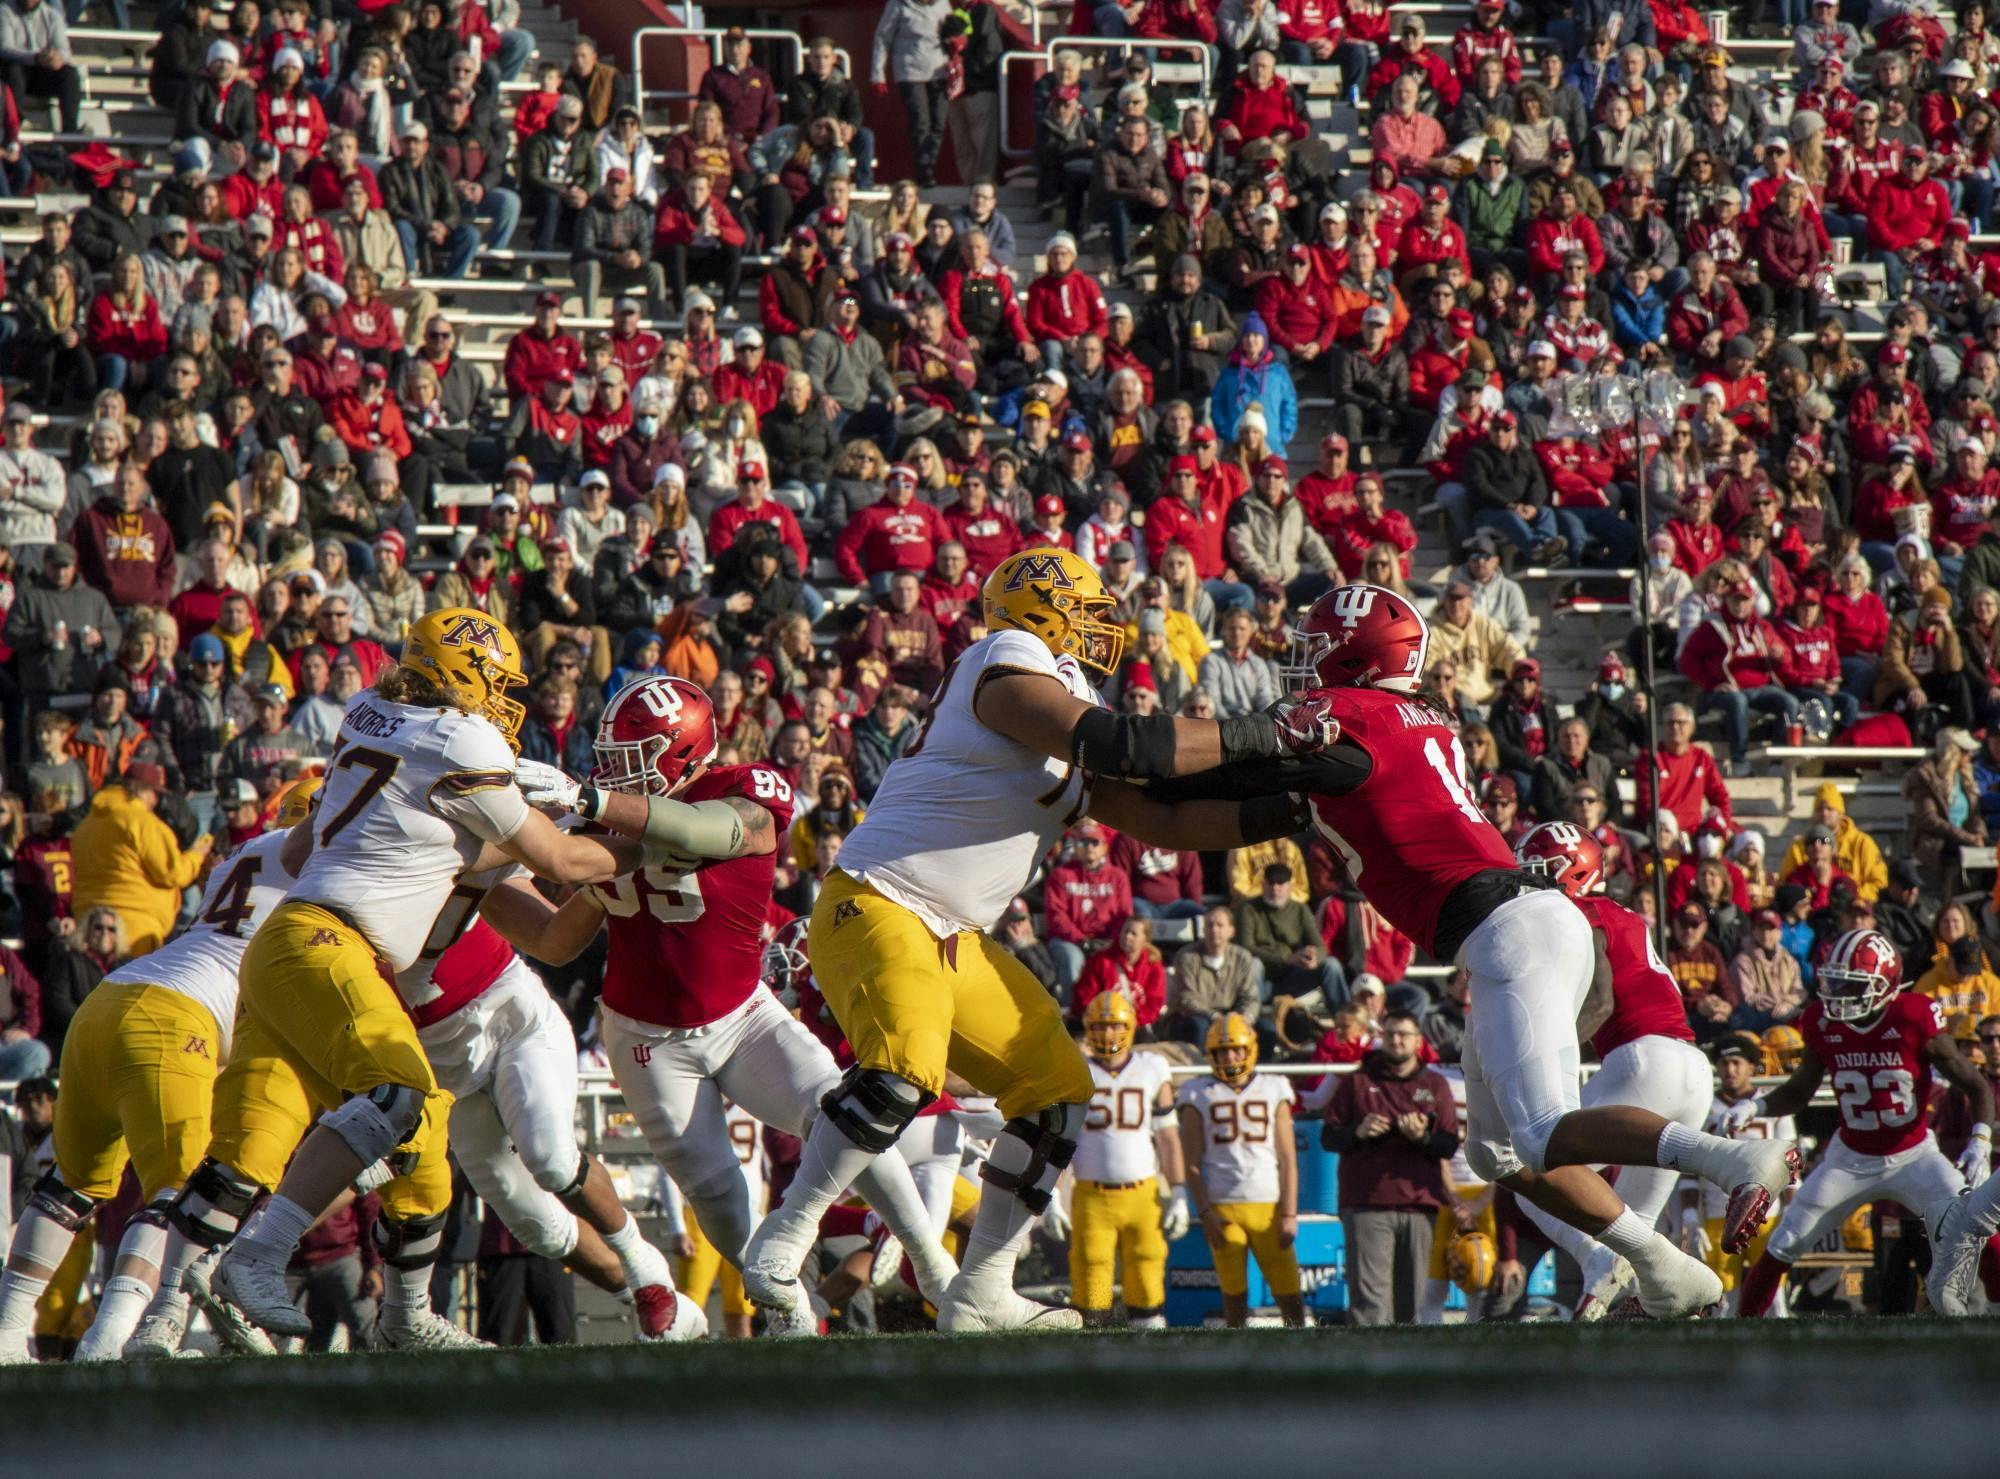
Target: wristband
[
  {"x": 1982, "y": 1132},
  {"x": 589, "y": 802}
]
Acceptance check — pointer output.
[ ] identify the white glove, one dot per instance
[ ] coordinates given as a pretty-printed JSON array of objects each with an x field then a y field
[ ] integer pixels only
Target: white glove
[
  {"x": 1975, "y": 1162},
  {"x": 545, "y": 787},
  {"x": 1695, "y": 1241},
  {"x": 1176, "y": 1215},
  {"x": 1740, "y": 1114},
  {"x": 1055, "y": 1221}
]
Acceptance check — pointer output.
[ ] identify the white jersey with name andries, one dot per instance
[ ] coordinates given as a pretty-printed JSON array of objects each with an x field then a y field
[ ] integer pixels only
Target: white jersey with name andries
[
  {"x": 1239, "y": 1127},
  {"x": 1116, "y": 1145},
  {"x": 960, "y": 821},
  {"x": 411, "y": 797},
  {"x": 201, "y": 961}
]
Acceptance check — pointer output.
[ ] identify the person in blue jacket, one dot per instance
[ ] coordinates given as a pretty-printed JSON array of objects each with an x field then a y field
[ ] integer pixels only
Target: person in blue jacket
[
  {"x": 1638, "y": 311},
  {"x": 1254, "y": 376}
]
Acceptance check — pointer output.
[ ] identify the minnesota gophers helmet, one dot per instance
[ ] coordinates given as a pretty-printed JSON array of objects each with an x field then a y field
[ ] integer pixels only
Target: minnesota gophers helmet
[
  {"x": 652, "y": 733},
  {"x": 298, "y": 801},
  {"x": 1859, "y": 976},
  {"x": 1225, "y": 1035},
  {"x": 785, "y": 963},
  {"x": 1471, "y": 1260},
  {"x": 1055, "y": 595},
  {"x": 1783, "y": 1047},
  {"x": 475, "y": 659},
  {"x": 1566, "y": 853},
  {"x": 1109, "y": 1024},
  {"x": 1358, "y": 636}
]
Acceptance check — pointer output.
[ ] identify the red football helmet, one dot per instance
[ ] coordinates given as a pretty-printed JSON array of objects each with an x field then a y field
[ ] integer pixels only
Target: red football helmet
[
  {"x": 785, "y": 964},
  {"x": 1358, "y": 636},
  {"x": 1568, "y": 854},
  {"x": 652, "y": 733},
  {"x": 1860, "y": 976}
]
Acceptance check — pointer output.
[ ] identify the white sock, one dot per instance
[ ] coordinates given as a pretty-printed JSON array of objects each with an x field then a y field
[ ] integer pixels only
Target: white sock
[
  {"x": 1436, "y": 1292},
  {"x": 1574, "y": 1241},
  {"x": 643, "y": 1263},
  {"x": 892, "y": 1192},
  {"x": 828, "y": 1165},
  {"x": 274, "y": 1230},
  {"x": 987, "y": 1268},
  {"x": 1631, "y": 1236},
  {"x": 119, "y": 1307},
  {"x": 1708, "y": 1156},
  {"x": 181, "y": 1255},
  {"x": 406, "y": 1294},
  {"x": 40, "y": 1242}
]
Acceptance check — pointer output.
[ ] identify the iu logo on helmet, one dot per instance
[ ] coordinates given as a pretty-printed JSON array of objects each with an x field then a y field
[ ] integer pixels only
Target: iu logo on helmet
[
  {"x": 1565, "y": 833},
  {"x": 1040, "y": 567},
  {"x": 663, "y": 699},
  {"x": 471, "y": 631},
  {"x": 1352, "y": 602}
]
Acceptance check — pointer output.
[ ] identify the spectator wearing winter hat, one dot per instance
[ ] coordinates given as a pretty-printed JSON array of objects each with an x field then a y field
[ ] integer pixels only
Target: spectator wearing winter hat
[
  {"x": 1253, "y": 376},
  {"x": 1064, "y": 304}
]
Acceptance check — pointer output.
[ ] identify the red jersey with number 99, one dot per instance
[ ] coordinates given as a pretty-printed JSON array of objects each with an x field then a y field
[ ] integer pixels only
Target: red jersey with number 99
[
  {"x": 1645, "y": 1000},
  {"x": 687, "y": 947},
  {"x": 1413, "y": 831},
  {"x": 1878, "y": 1072}
]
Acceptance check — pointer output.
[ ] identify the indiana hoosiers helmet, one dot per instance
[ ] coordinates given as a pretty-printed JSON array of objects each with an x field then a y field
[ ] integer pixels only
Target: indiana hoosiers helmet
[
  {"x": 785, "y": 963},
  {"x": 1566, "y": 853},
  {"x": 1471, "y": 1259},
  {"x": 1359, "y": 636},
  {"x": 1109, "y": 1024},
  {"x": 475, "y": 659},
  {"x": 652, "y": 733},
  {"x": 298, "y": 801},
  {"x": 1784, "y": 1046},
  {"x": 1859, "y": 976},
  {"x": 1055, "y": 595},
  {"x": 1232, "y": 1049}
]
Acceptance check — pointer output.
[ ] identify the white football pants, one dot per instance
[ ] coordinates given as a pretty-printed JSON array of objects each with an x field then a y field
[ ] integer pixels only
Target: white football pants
[
  {"x": 934, "y": 1145},
  {"x": 1845, "y": 1179}
]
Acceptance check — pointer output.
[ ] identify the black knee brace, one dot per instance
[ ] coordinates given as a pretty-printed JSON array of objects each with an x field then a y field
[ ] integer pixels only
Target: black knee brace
[
  {"x": 414, "y": 1243},
  {"x": 872, "y": 1106},
  {"x": 155, "y": 1213},
  {"x": 576, "y": 1182},
  {"x": 1049, "y": 1148},
  {"x": 213, "y": 1204},
  {"x": 68, "y": 1209}
]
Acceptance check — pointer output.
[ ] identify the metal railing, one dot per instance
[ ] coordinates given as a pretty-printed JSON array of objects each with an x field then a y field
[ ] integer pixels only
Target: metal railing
[
  {"x": 1203, "y": 53},
  {"x": 714, "y": 34}
]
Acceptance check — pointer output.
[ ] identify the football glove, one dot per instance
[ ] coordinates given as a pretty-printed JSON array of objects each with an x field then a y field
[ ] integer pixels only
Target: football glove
[
  {"x": 1695, "y": 1241},
  {"x": 1055, "y": 1221},
  {"x": 1739, "y": 1114},
  {"x": 546, "y": 787},
  {"x": 1306, "y": 724},
  {"x": 1975, "y": 1162},
  {"x": 1176, "y": 1215}
]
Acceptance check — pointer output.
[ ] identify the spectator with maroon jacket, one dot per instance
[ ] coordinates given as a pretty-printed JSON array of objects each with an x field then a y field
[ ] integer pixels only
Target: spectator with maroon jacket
[
  {"x": 743, "y": 91},
  {"x": 1086, "y": 901},
  {"x": 1682, "y": 774},
  {"x": 1132, "y": 966},
  {"x": 1735, "y": 657},
  {"x": 1166, "y": 882},
  {"x": 124, "y": 547},
  {"x": 899, "y": 533},
  {"x": 907, "y": 635},
  {"x": 1393, "y": 1123},
  {"x": 1706, "y": 314},
  {"x": 952, "y": 591}
]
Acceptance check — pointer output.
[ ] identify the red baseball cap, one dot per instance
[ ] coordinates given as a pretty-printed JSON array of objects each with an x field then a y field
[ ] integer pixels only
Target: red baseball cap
[
  {"x": 1298, "y": 252},
  {"x": 1437, "y": 192},
  {"x": 1333, "y": 441},
  {"x": 1895, "y": 354},
  {"x": 1461, "y": 319},
  {"x": 1077, "y": 441},
  {"x": 1049, "y": 503},
  {"x": 1277, "y": 465},
  {"x": 1204, "y": 436},
  {"x": 749, "y": 471},
  {"x": 1184, "y": 463}
]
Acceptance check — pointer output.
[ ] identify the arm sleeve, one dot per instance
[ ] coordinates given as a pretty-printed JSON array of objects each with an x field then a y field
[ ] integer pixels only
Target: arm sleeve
[{"x": 1339, "y": 769}]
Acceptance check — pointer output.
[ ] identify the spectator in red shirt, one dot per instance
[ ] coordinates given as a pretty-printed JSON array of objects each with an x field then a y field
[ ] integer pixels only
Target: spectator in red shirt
[
  {"x": 1682, "y": 774},
  {"x": 1132, "y": 966},
  {"x": 1299, "y": 308},
  {"x": 1086, "y": 901},
  {"x": 988, "y": 533},
  {"x": 752, "y": 375},
  {"x": 753, "y": 504},
  {"x": 1818, "y": 875},
  {"x": 898, "y": 533},
  {"x": 1369, "y": 523},
  {"x": 1734, "y": 657},
  {"x": 1359, "y": 938},
  {"x": 537, "y": 352},
  {"x": 1860, "y": 624},
  {"x": 1260, "y": 105}
]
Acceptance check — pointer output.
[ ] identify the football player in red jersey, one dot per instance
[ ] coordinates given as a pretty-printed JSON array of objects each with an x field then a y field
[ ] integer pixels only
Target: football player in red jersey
[
  {"x": 1645, "y": 1049},
  {"x": 687, "y": 1018},
  {"x": 1881, "y": 1045},
  {"x": 1391, "y": 798}
]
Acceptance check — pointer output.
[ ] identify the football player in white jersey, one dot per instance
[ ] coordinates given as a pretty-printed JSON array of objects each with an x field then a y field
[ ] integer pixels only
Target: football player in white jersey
[
  {"x": 1703, "y": 1205},
  {"x": 419, "y": 788},
  {"x": 1243, "y": 1171},
  {"x": 138, "y": 1073},
  {"x": 1129, "y": 1198},
  {"x": 1016, "y": 747}
]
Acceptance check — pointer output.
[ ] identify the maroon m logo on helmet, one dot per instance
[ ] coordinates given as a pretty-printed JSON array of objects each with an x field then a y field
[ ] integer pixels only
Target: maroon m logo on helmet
[
  {"x": 1040, "y": 567},
  {"x": 471, "y": 631}
]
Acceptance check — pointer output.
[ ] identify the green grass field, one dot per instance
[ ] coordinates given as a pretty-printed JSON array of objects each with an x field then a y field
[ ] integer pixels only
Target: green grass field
[{"x": 1809, "y": 1396}]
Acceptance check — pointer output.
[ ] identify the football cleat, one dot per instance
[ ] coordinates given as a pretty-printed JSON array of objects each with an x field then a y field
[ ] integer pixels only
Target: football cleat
[
  {"x": 887, "y": 1269},
  {"x": 256, "y": 1286},
  {"x": 235, "y": 1334},
  {"x": 664, "y": 1315},
  {"x": 1605, "y": 1279},
  {"x": 14, "y": 1349},
  {"x": 803, "y": 1321},
  {"x": 1955, "y": 1249},
  {"x": 1769, "y": 1166},
  {"x": 424, "y": 1331},
  {"x": 1679, "y": 1288},
  {"x": 160, "y": 1331},
  {"x": 963, "y": 1311}
]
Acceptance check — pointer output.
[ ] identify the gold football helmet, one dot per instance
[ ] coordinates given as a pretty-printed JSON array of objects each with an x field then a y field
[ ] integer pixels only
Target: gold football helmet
[
  {"x": 1109, "y": 1024},
  {"x": 475, "y": 659},
  {"x": 297, "y": 805},
  {"x": 1783, "y": 1048},
  {"x": 1471, "y": 1260},
  {"x": 1232, "y": 1049},
  {"x": 1054, "y": 595}
]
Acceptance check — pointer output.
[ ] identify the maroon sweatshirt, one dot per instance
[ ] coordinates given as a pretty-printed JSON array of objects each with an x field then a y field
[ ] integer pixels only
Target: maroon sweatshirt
[{"x": 1391, "y": 1172}]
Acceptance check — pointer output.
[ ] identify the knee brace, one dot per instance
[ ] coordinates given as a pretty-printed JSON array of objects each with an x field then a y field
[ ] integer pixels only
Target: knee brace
[
  {"x": 411, "y": 1244},
  {"x": 68, "y": 1209},
  {"x": 1487, "y": 1163},
  {"x": 872, "y": 1107},
  {"x": 213, "y": 1204},
  {"x": 564, "y": 1185},
  {"x": 155, "y": 1212},
  {"x": 1043, "y": 1146},
  {"x": 375, "y": 1123}
]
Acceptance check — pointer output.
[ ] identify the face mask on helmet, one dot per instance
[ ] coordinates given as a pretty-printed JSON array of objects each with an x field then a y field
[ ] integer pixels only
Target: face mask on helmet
[
  {"x": 1109, "y": 1025},
  {"x": 785, "y": 966},
  {"x": 1232, "y": 1050},
  {"x": 1852, "y": 996}
]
